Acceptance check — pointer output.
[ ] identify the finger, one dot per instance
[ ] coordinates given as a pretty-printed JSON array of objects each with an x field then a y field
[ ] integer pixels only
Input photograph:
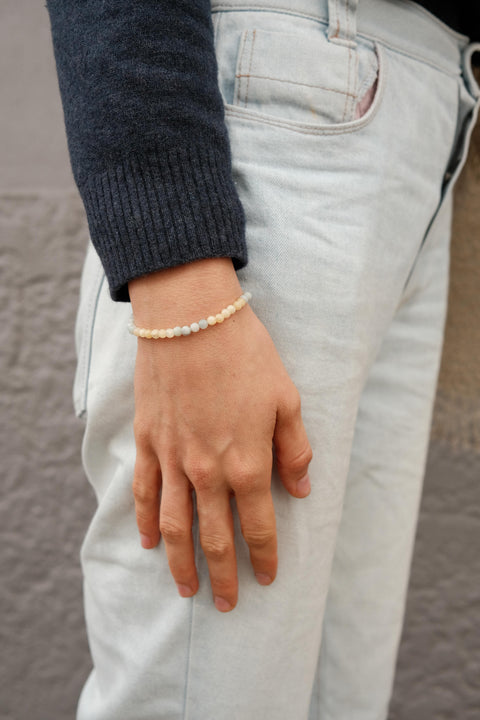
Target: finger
[
  {"x": 176, "y": 517},
  {"x": 292, "y": 448},
  {"x": 257, "y": 519},
  {"x": 218, "y": 544},
  {"x": 146, "y": 489}
]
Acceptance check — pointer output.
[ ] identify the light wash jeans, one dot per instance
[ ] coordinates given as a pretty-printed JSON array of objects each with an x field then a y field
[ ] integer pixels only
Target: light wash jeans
[{"x": 348, "y": 227}]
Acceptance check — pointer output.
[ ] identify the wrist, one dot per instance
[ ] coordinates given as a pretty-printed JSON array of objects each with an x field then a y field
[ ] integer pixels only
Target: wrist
[{"x": 182, "y": 293}]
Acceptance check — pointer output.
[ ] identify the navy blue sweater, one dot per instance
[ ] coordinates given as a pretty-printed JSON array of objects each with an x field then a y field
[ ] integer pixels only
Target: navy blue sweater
[{"x": 145, "y": 127}]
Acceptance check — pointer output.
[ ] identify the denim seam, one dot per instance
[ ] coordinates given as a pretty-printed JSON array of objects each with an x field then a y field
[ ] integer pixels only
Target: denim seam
[
  {"x": 360, "y": 34},
  {"x": 192, "y": 611},
  {"x": 370, "y": 78},
  {"x": 250, "y": 66},
  {"x": 216, "y": 20},
  {"x": 277, "y": 8},
  {"x": 240, "y": 66},
  {"x": 295, "y": 82},
  {"x": 88, "y": 360},
  {"x": 349, "y": 66}
]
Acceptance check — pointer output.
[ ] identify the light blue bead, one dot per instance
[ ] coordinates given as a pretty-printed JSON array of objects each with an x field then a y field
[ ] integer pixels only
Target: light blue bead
[
  {"x": 186, "y": 330},
  {"x": 177, "y": 330},
  {"x": 203, "y": 324},
  {"x": 195, "y": 327}
]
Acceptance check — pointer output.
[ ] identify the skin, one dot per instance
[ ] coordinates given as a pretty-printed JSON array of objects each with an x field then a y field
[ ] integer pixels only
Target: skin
[{"x": 208, "y": 407}]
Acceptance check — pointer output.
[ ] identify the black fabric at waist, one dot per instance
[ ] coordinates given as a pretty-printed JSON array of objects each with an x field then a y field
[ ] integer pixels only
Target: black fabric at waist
[{"x": 461, "y": 15}]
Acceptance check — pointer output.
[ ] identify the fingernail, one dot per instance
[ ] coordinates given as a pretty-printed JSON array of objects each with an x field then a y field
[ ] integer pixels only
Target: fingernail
[
  {"x": 303, "y": 485},
  {"x": 222, "y": 604},
  {"x": 184, "y": 590},
  {"x": 146, "y": 542},
  {"x": 263, "y": 578}
]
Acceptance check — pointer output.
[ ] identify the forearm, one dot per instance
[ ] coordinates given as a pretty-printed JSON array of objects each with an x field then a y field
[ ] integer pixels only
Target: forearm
[
  {"x": 185, "y": 293},
  {"x": 145, "y": 127}
]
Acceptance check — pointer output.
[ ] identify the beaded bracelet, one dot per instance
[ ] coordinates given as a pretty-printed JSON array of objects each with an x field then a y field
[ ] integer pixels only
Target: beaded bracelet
[{"x": 195, "y": 326}]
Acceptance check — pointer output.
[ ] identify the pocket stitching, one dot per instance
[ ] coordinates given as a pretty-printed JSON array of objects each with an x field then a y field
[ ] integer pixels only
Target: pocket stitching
[
  {"x": 320, "y": 129},
  {"x": 296, "y": 82}
]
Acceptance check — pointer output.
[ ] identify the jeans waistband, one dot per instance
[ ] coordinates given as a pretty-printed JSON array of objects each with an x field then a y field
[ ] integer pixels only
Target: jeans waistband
[{"x": 402, "y": 25}]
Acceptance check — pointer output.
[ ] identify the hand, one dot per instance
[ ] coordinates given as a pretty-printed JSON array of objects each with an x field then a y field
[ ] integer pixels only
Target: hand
[{"x": 207, "y": 408}]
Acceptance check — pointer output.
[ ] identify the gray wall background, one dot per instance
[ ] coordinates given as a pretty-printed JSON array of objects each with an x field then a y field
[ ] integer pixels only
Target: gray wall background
[{"x": 46, "y": 503}]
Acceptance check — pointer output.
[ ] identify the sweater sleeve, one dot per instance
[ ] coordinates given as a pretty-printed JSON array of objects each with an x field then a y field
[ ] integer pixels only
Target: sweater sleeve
[{"x": 147, "y": 140}]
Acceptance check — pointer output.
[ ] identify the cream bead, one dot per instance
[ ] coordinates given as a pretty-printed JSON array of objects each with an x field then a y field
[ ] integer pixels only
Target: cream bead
[{"x": 194, "y": 327}]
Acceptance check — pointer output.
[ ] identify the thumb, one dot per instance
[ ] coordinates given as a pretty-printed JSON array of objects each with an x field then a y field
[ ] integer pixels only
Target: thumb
[{"x": 292, "y": 449}]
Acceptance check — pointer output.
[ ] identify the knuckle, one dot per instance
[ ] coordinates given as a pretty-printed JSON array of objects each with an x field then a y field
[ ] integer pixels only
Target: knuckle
[
  {"x": 259, "y": 537},
  {"x": 201, "y": 474},
  {"x": 297, "y": 464},
  {"x": 144, "y": 518},
  {"x": 295, "y": 402},
  {"x": 173, "y": 531},
  {"x": 245, "y": 479},
  {"x": 143, "y": 491},
  {"x": 141, "y": 432},
  {"x": 215, "y": 548}
]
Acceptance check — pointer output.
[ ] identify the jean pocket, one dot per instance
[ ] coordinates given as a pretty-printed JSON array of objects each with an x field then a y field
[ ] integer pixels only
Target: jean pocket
[
  {"x": 92, "y": 280},
  {"x": 295, "y": 77}
]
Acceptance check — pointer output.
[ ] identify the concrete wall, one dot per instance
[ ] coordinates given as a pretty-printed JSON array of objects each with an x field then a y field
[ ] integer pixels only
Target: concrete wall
[{"x": 45, "y": 503}]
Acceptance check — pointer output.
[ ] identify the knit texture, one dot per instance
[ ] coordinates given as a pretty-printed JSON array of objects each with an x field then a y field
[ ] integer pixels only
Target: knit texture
[{"x": 147, "y": 139}]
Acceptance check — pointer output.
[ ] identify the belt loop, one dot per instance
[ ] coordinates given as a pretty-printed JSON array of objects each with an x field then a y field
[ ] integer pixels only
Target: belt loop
[
  {"x": 467, "y": 71},
  {"x": 342, "y": 22}
]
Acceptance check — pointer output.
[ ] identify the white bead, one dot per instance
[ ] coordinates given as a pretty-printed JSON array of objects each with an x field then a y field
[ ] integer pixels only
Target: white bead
[
  {"x": 248, "y": 295},
  {"x": 155, "y": 334},
  {"x": 169, "y": 332},
  {"x": 195, "y": 327},
  {"x": 186, "y": 330},
  {"x": 203, "y": 324},
  {"x": 231, "y": 308},
  {"x": 177, "y": 330},
  {"x": 225, "y": 312}
]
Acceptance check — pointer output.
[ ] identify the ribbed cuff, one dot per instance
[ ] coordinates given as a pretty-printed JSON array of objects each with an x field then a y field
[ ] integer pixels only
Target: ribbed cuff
[{"x": 164, "y": 208}]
